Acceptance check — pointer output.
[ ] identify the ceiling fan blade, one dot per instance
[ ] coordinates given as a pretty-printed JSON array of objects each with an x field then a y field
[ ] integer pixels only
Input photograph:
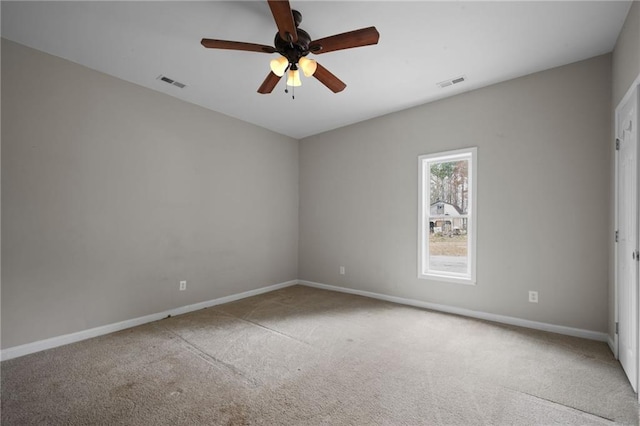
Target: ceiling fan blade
[
  {"x": 269, "y": 83},
  {"x": 325, "y": 77},
  {"x": 357, "y": 38},
  {"x": 236, "y": 45},
  {"x": 283, "y": 16}
]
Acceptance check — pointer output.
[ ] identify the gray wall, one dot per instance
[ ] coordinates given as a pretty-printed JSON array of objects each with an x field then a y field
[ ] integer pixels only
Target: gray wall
[
  {"x": 626, "y": 68},
  {"x": 626, "y": 55},
  {"x": 112, "y": 193},
  {"x": 543, "y": 194}
]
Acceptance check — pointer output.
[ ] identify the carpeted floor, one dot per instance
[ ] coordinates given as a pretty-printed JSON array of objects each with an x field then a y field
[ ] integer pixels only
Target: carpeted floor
[{"x": 303, "y": 356}]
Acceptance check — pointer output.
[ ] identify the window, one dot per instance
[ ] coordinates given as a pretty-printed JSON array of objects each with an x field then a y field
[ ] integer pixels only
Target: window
[{"x": 447, "y": 221}]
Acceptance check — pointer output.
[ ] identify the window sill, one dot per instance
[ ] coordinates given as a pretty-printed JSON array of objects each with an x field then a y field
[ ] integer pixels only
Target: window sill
[{"x": 447, "y": 278}]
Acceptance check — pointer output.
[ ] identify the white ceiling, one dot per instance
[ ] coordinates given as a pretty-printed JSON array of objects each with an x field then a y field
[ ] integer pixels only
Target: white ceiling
[{"x": 421, "y": 44}]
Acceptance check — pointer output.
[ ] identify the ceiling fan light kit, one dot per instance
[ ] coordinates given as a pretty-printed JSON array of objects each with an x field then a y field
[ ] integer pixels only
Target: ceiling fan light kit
[
  {"x": 308, "y": 66},
  {"x": 279, "y": 65},
  {"x": 294, "y": 44},
  {"x": 293, "y": 78}
]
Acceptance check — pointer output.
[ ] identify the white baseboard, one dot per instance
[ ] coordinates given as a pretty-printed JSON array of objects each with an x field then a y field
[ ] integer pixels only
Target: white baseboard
[
  {"x": 560, "y": 329},
  {"x": 54, "y": 342},
  {"x": 612, "y": 346},
  {"x": 41, "y": 345}
]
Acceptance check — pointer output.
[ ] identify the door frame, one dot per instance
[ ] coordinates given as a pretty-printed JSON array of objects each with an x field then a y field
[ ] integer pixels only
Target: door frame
[{"x": 634, "y": 90}]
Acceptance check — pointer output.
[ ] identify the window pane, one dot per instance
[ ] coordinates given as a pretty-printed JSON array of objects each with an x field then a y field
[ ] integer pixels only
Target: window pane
[
  {"x": 448, "y": 250},
  {"x": 449, "y": 205},
  {"x": 449, "y": 185}
]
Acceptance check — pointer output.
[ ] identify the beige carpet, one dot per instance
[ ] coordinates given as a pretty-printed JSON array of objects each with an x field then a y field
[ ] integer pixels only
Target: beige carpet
[{"x": 302, "y": 356}]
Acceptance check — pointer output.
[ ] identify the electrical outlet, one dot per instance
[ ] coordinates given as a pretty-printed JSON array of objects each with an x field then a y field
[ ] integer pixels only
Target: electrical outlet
[
  {"x": 183, "y": 285},
  {"x": 342, "y": 270},
  {"x": 533, "y": 296}
]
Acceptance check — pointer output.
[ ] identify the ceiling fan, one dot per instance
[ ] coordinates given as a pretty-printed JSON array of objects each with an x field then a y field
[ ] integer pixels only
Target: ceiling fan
[{"x": 294, "y": 44}]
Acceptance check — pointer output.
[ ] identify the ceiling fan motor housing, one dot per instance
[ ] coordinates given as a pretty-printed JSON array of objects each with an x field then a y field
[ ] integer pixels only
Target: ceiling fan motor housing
[{"x": 293, "y": 51}]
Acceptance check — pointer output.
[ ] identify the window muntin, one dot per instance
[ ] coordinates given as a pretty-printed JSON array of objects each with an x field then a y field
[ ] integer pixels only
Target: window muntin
[{"x": 447, "y": 216}]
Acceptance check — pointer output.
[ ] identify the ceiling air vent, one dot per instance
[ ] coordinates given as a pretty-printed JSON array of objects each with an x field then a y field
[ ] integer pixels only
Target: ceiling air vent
[
  {"x": 171, "y": 81},
  {"x": 451, "y": 81}
]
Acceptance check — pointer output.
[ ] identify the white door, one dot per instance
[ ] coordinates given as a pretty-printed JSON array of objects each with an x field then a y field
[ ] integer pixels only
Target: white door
[{"x": 627, "y": 264}]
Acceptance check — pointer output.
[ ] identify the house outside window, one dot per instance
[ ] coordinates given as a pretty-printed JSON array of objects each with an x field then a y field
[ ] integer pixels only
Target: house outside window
[{"x": 447, "y": 216}]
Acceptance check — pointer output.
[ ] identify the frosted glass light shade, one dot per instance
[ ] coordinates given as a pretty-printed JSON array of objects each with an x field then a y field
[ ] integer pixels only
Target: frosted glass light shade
[
  {"x": 279, "y": 65},
  {"x": 293, "y": 78},
  {"x": 308, "y": 66}
]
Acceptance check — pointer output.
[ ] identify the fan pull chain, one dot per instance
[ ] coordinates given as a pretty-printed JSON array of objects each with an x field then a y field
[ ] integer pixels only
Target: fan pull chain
[{"x": 293, "y": 91}]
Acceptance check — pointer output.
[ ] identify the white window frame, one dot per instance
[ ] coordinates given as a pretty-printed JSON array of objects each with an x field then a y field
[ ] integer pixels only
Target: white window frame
[{"x": 424, "y": 212}]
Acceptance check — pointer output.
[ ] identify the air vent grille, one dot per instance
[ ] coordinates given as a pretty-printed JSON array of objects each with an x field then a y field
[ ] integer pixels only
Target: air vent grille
[
  {"x": 171, "y": 81},
  {"x": 451, "y": 81}
]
